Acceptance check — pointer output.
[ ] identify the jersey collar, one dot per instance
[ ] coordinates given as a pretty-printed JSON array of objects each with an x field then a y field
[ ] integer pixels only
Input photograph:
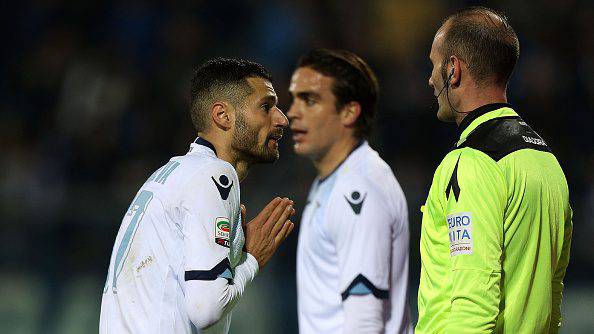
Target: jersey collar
[
  {"x": 482, "y": 114},
  {"x": 205, "y": 143},
  {"x": 359, "y": 144}
]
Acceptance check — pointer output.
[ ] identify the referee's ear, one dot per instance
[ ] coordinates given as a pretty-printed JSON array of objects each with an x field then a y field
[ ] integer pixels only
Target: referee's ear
[{"x": 349, "y": 113}]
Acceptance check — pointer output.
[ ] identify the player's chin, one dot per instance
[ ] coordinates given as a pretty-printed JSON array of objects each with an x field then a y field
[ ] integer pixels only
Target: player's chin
[
  {"x": 300, "y": 149},
  {"x": 269, "y": 155}
]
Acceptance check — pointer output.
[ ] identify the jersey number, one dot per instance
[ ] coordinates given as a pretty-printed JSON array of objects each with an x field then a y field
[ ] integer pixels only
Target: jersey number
[{"x": 135, "y": 214}]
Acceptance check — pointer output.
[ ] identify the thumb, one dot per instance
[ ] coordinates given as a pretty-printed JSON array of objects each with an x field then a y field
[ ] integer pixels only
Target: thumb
[{"x": 243, "y": 221}]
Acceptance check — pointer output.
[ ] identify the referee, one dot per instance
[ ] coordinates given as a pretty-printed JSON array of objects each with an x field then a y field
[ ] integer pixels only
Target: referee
[{"x": 497, "y": 221}]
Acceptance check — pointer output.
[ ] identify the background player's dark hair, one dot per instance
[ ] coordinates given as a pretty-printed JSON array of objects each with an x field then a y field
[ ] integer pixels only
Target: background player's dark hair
[
  {"x": 221, "y": 79},
  {"x": 353, "y": 81},
  {"x": 484, "y": 39}
]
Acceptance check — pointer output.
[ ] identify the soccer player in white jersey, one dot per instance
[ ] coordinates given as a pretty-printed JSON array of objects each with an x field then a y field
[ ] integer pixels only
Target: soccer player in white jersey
[
  {"x": 352, "y": 257},
  {"x": 178, "y": 264}
]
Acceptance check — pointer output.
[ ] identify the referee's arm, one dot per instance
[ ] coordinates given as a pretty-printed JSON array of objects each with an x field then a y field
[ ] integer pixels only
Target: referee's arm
[
  {"x": 557, "y": 286},
  {"x": 476, "y": 199}
]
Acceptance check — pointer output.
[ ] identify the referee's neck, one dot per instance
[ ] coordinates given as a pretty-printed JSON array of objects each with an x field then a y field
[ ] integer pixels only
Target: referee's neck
[
  {"x": 477, "y": 97},
  {"x": 335, "y": 155}
]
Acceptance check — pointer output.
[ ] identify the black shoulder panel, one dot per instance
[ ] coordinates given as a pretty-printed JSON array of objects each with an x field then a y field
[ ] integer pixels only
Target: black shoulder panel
[{"x": 501, "y": 136}]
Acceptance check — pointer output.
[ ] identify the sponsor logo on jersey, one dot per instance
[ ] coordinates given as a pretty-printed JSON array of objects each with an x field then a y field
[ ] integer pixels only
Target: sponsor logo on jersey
[
  {"x": 223, "y": 185},
  {"x": 222, "y": 231},
  {"x": 535, "y": 141},
  {"x": 356, "y": 201},
  {"x": 460, "y": 233}
]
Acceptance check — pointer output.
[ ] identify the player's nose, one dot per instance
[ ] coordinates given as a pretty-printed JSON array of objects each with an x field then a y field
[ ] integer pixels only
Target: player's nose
[
  {"x": 292, "y": 114},
  {"x": 431, "y": 82},
  {"x": 280, "y": 118}
]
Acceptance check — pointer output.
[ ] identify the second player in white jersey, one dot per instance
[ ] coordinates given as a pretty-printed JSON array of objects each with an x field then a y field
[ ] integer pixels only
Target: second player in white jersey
[
  {"x": 353, "y": 241},
  {"x": 352, "y": 258}
]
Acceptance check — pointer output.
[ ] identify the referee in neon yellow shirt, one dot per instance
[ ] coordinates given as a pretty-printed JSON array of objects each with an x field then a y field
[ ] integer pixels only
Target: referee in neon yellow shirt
[{"x": 497, "y": 221}]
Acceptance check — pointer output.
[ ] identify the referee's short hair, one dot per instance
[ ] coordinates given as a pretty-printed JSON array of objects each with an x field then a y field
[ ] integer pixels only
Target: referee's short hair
[
  {"x": 485, "y": 40},
  {"x": 353, "y": 81},
  {"x": 221, "y": 79}
]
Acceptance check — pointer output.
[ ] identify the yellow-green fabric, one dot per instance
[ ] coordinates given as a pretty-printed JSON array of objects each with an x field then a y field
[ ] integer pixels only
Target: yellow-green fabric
[{"x": 503, "y": 271}]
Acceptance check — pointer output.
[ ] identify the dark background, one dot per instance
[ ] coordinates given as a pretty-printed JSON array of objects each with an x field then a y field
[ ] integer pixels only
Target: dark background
[{"x": 93, "y": 98}]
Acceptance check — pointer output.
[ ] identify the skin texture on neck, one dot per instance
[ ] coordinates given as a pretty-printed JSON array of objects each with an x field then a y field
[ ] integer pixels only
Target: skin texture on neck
[
  {"x": 474, "y": 97},
  {"x": 327, "y": 163}
]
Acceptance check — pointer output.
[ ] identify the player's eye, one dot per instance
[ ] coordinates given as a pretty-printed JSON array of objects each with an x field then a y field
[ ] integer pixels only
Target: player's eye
[
  {"x": 266, "y": 107},
  {"x": 310, "y": 102}
]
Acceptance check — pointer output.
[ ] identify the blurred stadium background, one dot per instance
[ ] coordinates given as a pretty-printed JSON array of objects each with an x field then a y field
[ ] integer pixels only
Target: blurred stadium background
[{"x": 93, "y": 97}]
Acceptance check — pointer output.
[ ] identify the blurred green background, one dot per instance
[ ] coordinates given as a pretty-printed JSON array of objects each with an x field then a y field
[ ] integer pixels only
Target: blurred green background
[{"x": 94, "y": 95}]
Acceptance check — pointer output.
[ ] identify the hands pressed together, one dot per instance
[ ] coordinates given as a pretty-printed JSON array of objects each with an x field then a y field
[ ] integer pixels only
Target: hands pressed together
[{"x": 265, "y": 233}]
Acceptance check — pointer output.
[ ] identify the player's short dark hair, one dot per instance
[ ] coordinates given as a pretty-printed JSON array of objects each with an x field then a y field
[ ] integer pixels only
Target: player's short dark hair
[
  {"x": 485, "y": 40},
  {"x": 353, "y": 81},
  {"x": 221, "y": 79}
]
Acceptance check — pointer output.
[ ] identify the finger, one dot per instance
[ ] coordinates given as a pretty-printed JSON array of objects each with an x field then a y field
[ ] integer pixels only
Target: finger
[
  {"x": 265, "y": 213},
  {"x": 276, "y": 214},
  {"x": 279, "y": 223},
  {"x": 290, "y": 229},
  {"x": 284, "y": 233},
  {"x": 243, "y": 221}
]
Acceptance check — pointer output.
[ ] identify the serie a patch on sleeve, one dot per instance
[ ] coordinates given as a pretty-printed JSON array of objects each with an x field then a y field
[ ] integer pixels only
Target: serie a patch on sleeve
[
  {"x": 460, "y": 233},
  {"x": 222, "y": 231}
]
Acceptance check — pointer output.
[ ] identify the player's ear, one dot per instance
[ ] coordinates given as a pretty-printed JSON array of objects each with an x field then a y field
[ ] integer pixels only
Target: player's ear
[
  {"x": 349, "y": 113},
  {"x": 221, "y": 115}
]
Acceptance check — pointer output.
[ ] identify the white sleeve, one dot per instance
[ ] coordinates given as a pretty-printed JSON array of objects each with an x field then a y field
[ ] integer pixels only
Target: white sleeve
[
  {"x": 211, "y": 216},
  {"x": 207, "y": 301},
  {"x": 363, "y": 314},
  {"x": 362, "y": 223}
]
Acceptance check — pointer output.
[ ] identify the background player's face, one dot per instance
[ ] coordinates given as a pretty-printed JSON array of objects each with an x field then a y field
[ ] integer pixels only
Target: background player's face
[
  {"x": 259, "y": 124},
  {"x": 438, "y": 78},
  {"x": 315, "y": 122}
]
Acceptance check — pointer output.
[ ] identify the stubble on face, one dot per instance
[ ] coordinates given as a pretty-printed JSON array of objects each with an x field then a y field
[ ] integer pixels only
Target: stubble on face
[
  {"x": 245, "y": 142},
  {"x": 439, "y": 77}
]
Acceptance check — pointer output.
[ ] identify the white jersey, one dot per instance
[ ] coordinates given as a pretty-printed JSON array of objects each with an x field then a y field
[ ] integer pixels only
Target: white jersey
[
  {"x": 353, "y": 240},
  {"x": 183, "y": 225}
]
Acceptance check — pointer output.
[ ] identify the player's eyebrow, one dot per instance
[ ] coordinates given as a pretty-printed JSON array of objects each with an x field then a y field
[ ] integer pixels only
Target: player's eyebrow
[
  {"x": 307, "y": 95},
  {"x": 270, "y": 98}
]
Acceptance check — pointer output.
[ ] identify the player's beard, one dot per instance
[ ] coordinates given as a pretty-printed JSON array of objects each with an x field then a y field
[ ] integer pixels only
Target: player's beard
[{"x": 246, "y": 146}]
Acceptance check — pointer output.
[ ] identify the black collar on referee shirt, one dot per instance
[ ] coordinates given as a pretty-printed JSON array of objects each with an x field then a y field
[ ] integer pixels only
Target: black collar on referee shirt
[
  {"x": 204, "y": 142},
  {"x": 476, "y": 113}
]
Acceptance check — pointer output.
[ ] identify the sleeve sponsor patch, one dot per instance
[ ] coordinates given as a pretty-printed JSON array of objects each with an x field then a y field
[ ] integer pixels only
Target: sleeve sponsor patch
[
  {"x": 222, "y": 231},
  {"x": 460, "y": 233}
]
